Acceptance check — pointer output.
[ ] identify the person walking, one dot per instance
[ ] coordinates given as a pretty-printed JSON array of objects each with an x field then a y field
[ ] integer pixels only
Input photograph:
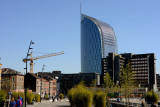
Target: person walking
[
  {"x": 153, "y": 105},
  {"x": 142, "y": 104},
  {"x": 13, "y": 102},
  {"x": 19, "y": 102}
]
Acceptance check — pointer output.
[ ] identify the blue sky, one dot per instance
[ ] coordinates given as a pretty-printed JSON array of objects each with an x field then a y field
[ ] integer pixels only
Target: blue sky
[{"x": 54, "y": 26}]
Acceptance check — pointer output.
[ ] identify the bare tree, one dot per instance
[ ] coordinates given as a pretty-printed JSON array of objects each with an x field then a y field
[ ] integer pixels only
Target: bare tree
[{"x": 6, "y": 84}]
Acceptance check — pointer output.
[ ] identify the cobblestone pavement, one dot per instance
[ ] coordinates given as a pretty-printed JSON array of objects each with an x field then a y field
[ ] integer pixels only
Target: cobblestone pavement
[{"x": 45, "y": 103}]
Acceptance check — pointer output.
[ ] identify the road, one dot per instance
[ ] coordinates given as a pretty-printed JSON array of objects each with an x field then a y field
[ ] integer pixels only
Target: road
[{"x": 46, "y": 103}]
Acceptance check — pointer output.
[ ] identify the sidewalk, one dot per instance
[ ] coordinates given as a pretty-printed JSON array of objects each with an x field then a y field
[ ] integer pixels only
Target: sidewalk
[{"x": 47, "y": 103}]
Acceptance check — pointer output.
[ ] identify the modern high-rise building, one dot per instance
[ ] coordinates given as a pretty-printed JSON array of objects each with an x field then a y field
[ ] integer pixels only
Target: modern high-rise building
[{"x": 97, "y": 40}]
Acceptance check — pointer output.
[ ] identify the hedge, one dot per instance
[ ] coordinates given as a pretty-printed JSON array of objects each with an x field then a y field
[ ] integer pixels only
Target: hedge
[
  {"x": 37, "y": 97},
  {"x": 30, "y": 97},
  {"x": 15, "y": 95},
  {"x": 80, "y": 96},
  {"x": 100, "y": 99},
  {"x": 151, "y": 96},
  {"x": 61, "y": 96}
]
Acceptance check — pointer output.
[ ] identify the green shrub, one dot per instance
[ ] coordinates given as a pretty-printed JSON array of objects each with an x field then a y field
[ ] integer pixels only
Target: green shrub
[
  {"x": 15, "y": 95},
  {"x": 2, "y": 95},
  {"x": 80, "y": 96},
  {"x": 100, "y": 99},
  {"x": 70, "y": 95},
  {"x": 30, "y": 97},
  {"x": 151, "y": 96},
  {"x": 148, "y": 96},
  {"x": 37, "y": 97},
  {"x": 83, "y": 98},
  {"x": 61, "y": 96}
]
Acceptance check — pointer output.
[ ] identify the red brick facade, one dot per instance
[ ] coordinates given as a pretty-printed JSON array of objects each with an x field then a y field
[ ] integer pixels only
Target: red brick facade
[
  {"x": 49, "y": 87},
  {"x": 12, "y": 80}
]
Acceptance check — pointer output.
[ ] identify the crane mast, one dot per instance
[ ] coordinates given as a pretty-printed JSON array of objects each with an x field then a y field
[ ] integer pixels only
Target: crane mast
[{"x": 40, "y": 57}]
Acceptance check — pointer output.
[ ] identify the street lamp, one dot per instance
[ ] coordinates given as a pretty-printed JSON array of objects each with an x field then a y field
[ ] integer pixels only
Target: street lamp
[
  {"x": 0, "y": 73},
  {"x": 26, "y": 70},
  {"x": 41, "y": 82}
]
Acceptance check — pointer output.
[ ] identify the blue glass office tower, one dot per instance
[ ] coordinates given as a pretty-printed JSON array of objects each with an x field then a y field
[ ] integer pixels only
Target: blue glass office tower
[{"x": 97, "y": 40}]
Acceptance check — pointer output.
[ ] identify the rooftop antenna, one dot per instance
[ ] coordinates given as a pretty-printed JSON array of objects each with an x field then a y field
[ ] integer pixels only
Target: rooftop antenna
[
  {"x": 80, "y": 7},
  {"x": 80, "y": 10}
]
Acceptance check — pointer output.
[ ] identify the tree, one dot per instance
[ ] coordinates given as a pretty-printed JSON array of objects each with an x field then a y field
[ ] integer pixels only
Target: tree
[
  {"x": 127, "y": 82},
  {"x": 6, "y": 84},
  {"x": 108, "y": 84},
  {"x": 93, "y": 85}
]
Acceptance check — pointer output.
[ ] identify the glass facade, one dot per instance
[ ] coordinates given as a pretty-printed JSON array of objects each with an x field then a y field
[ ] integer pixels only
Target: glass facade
[{"x": 97, "y": 40}]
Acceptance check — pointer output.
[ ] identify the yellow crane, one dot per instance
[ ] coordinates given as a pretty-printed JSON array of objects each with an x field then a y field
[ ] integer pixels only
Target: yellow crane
[{"x": 40, "y": 57}]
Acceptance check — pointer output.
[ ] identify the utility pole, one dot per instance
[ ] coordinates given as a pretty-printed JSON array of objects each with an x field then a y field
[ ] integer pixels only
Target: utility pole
[
  {"x": 26, "y": 72},
  {"x": 49, "y": 88},
  {"x": 41, "y": 82}
]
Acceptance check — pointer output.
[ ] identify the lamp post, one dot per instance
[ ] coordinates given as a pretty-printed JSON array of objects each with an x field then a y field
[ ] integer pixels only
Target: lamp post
[
  {"x": 41, "y": 82},
  {"x": 0, "y": 74},
  {"x": 26, "y": 70}
]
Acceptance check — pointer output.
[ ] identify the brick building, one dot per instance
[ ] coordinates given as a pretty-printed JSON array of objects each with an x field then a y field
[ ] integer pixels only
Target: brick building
[
  {"x": 67, "y": 81},
  {"x": 12, "y": 80},
  {"x": 44, "y": 85}
]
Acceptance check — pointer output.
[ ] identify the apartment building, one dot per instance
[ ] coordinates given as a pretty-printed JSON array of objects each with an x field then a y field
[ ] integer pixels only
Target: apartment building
[
  {"x": 12, "y": 80},
  {"x": 40, "y": 85}
]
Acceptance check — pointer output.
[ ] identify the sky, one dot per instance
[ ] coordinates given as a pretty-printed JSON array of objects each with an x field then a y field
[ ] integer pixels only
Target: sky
[{"x": 54, "y": 26}]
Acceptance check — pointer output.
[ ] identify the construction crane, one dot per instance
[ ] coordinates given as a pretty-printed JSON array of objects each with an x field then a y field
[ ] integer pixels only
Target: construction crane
[{"x": 40, "y": 57}]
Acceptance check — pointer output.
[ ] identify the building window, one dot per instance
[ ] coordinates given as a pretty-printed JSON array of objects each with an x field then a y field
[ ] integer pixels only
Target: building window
[
  {"x": 13, "y": 79},
  {"x": 54, "y": 88},
  {"x": 13, "y": 86}
]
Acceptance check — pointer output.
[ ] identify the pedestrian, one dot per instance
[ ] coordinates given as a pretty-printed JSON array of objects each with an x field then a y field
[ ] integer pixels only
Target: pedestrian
[
  {"x": 111, "y": 105},
  {"x": 57, "y": 98},
  {"x": 19, "y": 102},
  {"x": 13, "y": 102},
  {"x": 21, "y": 99},
  {"x": 142, "y": 104},
  {"x": 118, "y": 99},
  {"x": 52, "y": 98},
  {"x": 153, "y": 105}
]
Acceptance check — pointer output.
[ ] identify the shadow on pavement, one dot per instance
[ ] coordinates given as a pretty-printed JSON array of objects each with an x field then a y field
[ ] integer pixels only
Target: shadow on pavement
[{"x": 64, "y": 106}]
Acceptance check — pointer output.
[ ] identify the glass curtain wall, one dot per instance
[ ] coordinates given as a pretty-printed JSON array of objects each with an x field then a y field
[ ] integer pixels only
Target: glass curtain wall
[{"x": 97, "y": 40}]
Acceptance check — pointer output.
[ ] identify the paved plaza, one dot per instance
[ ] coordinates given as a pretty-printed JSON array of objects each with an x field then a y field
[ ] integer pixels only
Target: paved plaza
[{"x": 47, "y": 103}]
